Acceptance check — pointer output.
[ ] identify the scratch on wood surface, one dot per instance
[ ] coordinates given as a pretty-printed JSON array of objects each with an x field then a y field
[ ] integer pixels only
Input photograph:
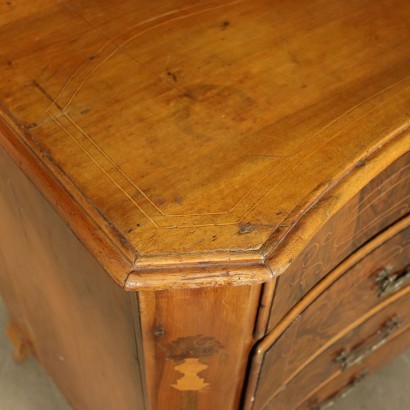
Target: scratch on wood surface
[
  {"x": 46, "y": 94},
  {"x": 246, "y": 228},
  {"x": 327, "y": 126},
  {"x": 115, "y": 165},
  {"x": 168, "y": 18},
  {"x": 319, "y": 146},
  {"x": 300, "y": 212},
  {"x": 105, "y": 173},
  {"x": 120, "y": 171},
  {"x": 6, "y": 113}
]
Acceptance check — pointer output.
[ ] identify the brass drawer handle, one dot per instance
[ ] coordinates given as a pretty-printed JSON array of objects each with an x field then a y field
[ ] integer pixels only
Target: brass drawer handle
[
  {"x": 342, "y": 393},
  {"x": 389, "y": 282},
  {"x": 349, "y": 358}
]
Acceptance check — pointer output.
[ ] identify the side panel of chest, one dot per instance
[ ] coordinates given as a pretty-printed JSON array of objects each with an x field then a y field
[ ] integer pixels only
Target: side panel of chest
[{"x": 70, "y": 314}]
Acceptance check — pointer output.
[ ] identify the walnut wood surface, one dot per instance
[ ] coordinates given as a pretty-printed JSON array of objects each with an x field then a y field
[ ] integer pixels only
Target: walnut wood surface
[
  {"x": 74, "y": 318},
  {"x": 383, "y": 201},
  {"x": 187, "y": 132},
  {"x": 324, "y": 369},
  {"x": 329, "y": 310},
  {"x": 381, "y": 357},
  {"x": 105, "y": 347},
  {"x": 191, "y": 146},
  {"x": 210, "y": 329}
]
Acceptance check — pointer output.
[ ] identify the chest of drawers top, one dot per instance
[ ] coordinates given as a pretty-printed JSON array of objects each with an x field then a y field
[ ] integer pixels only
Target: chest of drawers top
[{"x": 202, "y": 143}]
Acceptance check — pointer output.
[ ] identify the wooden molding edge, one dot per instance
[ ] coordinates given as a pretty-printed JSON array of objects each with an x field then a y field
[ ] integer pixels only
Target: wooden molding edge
[
  {"x": 134, "y": 273},
  {"x": 322, "y": 204},
  {"x": 195, "y": 277},
  {"x": 86, "y": 230}
]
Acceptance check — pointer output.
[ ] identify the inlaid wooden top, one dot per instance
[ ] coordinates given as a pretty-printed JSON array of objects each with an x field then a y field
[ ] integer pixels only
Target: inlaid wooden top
[{"x": 179, "y": 133}]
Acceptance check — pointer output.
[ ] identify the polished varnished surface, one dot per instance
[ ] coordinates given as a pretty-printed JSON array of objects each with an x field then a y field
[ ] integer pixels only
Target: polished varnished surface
[
  {"x": 194, "y": 359},
  {"x": 187, "y": 147},
  {"x": 383, "y": 201},
  {"x": 318, "y": 321},
  {"x": 71, "y": 316},
  {"x": 201, "y": 131},
  {"x": 26, "y": 386},
  {"x": 104, "y": 347},
  {"x": 324, "y": 369}
]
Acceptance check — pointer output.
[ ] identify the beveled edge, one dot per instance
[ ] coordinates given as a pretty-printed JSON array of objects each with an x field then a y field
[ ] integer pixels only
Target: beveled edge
[
  {"x": 118, "y": 258},
  {"x": 326, "y": 202},
  {"x": 195, "y": 277},
  {"x": 320, "y": 205},
  {"x": 135, "y": 272},
  {"x": 277, "y": 254},
  {"x": 72, "y": 212}
]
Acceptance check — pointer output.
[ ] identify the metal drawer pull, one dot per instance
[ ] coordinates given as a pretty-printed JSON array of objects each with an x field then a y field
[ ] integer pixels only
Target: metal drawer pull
[
  {"x": 342, "y": 393},
  {"x": 389, "y": 282},
  {"x": 349, "y": 358}
]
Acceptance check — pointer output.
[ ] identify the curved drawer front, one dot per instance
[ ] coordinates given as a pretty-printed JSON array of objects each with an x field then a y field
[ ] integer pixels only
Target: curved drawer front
[
  {"x": 344, "y": 383},
  {"x": 378, "y": 205},
  {"x": 347, "y": 358},
  {"x": 367, "y": 279}
]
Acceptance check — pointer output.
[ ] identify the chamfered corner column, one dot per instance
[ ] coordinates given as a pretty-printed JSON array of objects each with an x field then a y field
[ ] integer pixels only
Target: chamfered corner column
[{"x": 195, "y": 345}]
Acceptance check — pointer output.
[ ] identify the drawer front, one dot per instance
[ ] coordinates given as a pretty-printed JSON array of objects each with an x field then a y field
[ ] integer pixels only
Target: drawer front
[
  {"x": 368, "y": 278},
  {"x": 341, "y": 386},
  {"x": 378, "y": 205},
  {"x": 348, "y": 356}
]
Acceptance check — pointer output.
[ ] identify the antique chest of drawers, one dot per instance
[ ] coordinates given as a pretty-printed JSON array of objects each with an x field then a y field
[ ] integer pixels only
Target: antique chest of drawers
[{"x": 204, "y": 204}]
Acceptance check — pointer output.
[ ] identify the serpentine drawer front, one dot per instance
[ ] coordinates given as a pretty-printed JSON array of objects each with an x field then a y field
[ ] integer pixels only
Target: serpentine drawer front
[
  {"x": 205, "y": 204},
  {"x": 378, "y": 205},
  {"x": 365, "y": 283},
  {"x": 333, "y": 389},
  {"x": 353, "y": 350}
]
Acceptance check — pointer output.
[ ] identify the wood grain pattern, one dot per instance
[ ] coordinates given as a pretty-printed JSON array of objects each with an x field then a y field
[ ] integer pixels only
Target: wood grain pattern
[
  {"x": 72, "y": 316},
  {"x": 380, "y": 358},
  {"x": 196, "y": 345},
  {"x": 324, "y": 369},
  {"x": 237, "y": 168},
  {"x": 383, "y": 201},
  {"x": 350, "y": 291},
  {"x": 199, "y": 132}
]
